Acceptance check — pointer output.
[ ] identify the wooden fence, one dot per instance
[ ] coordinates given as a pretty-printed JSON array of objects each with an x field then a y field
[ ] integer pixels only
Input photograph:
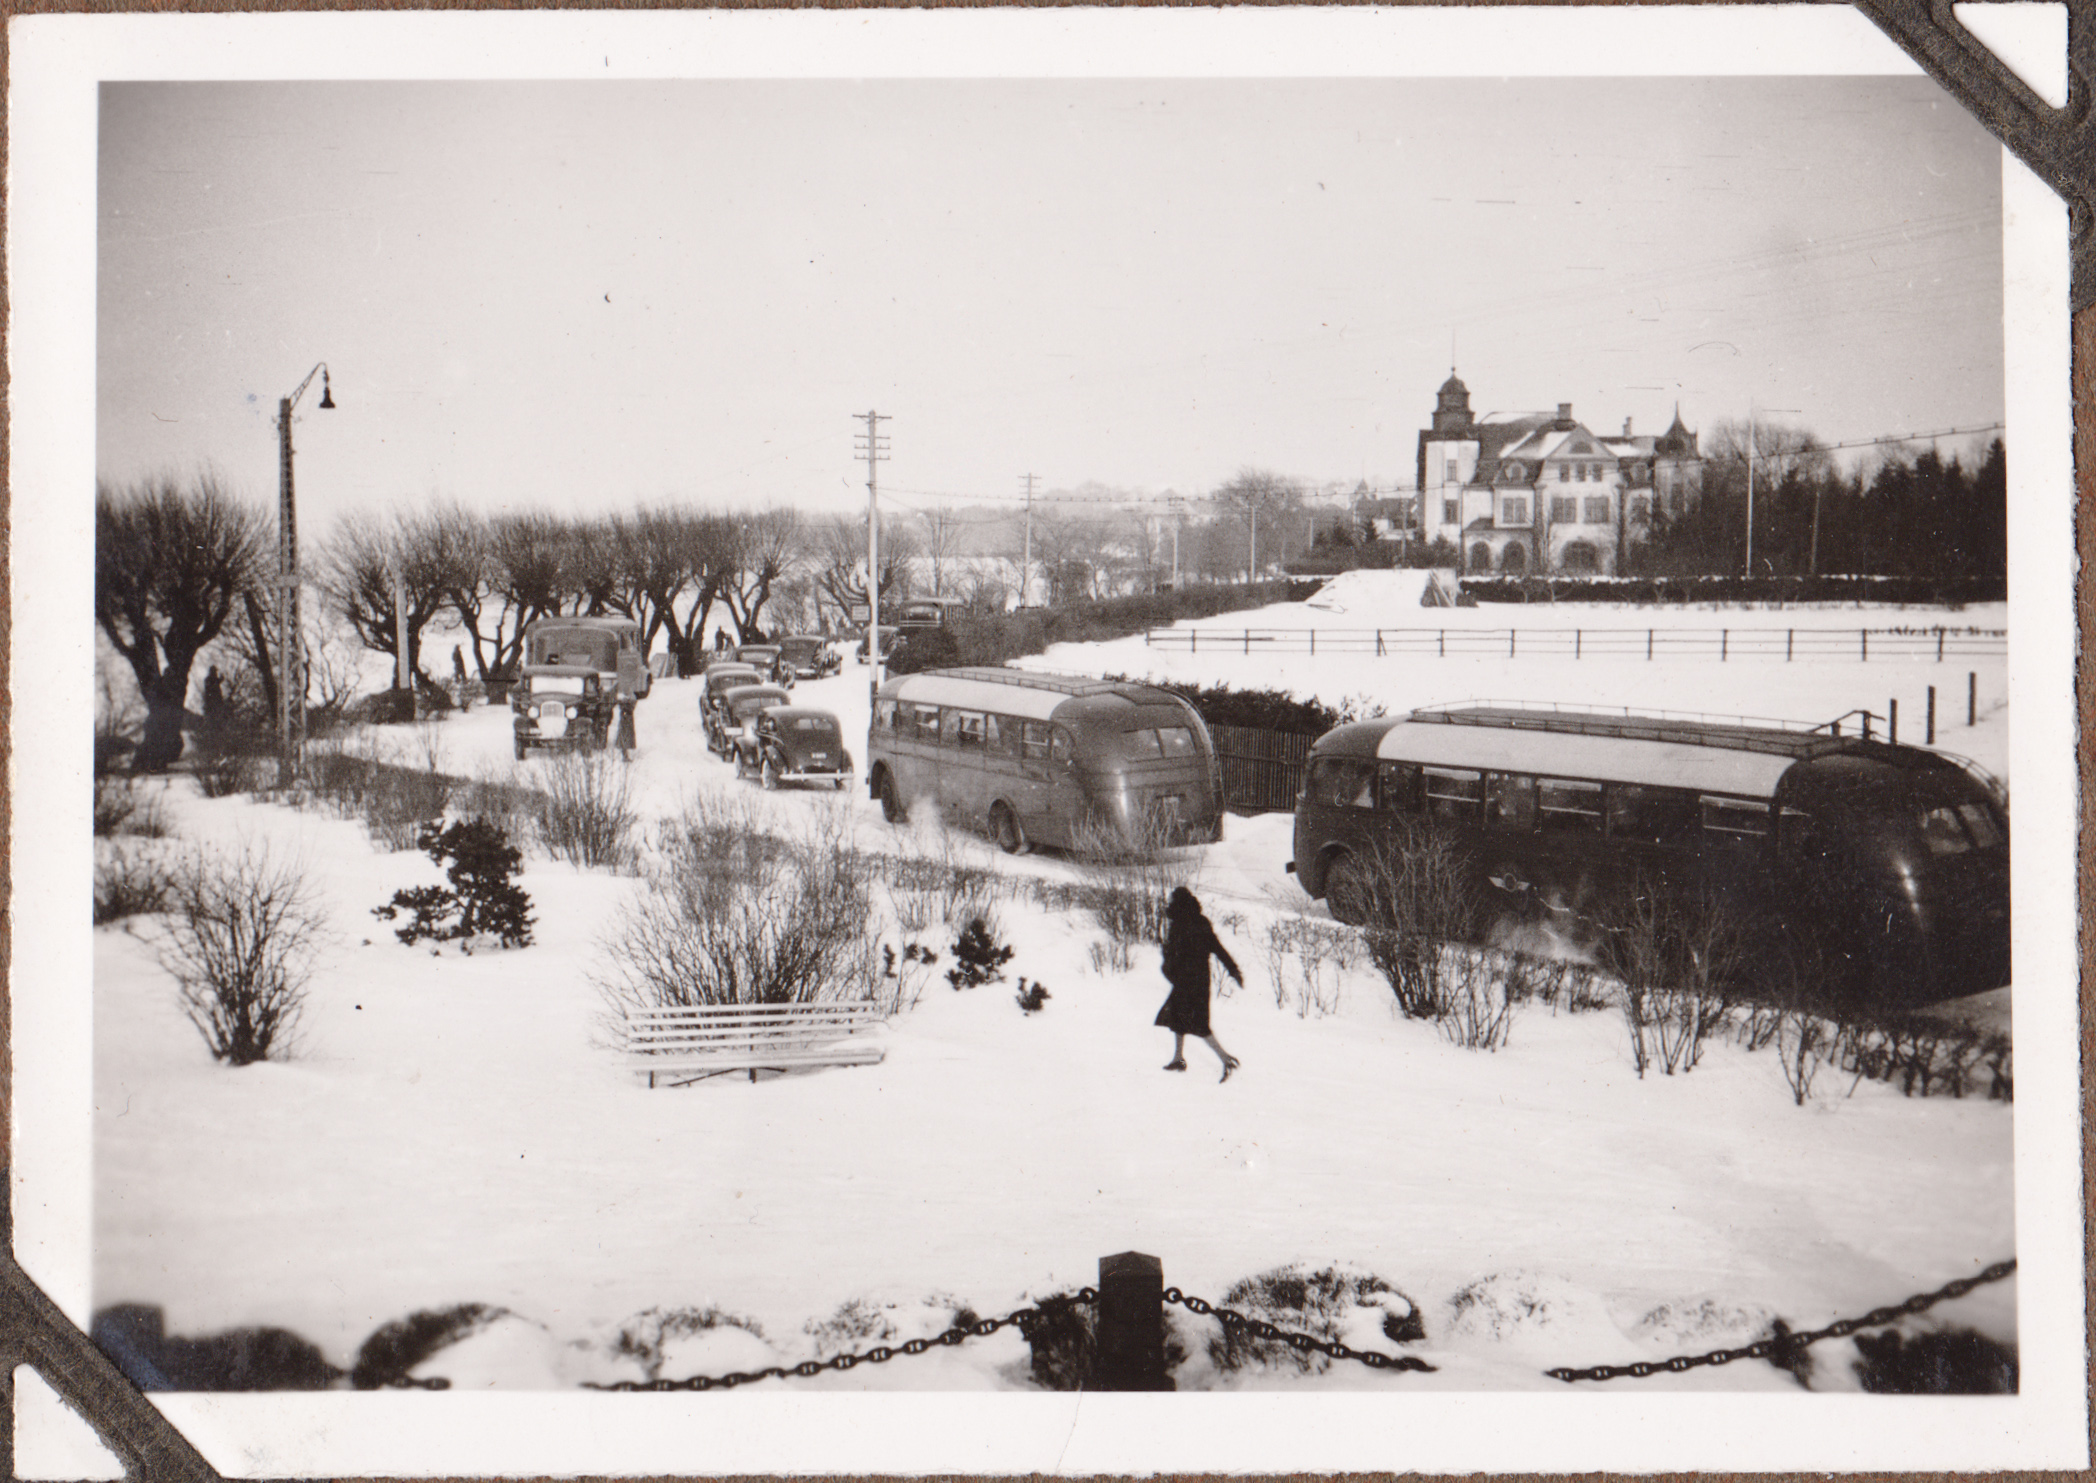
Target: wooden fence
[
  {"x": 1262, "y": 770},
  {"x": 1792, "y": 644}
]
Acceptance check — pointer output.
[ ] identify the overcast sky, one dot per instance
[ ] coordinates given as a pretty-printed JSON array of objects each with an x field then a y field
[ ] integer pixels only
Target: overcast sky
[{"x": 586, "y": 295}]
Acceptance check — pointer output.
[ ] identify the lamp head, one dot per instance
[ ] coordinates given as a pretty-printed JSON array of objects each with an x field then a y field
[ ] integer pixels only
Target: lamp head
[{"x": 327, "y": 402}]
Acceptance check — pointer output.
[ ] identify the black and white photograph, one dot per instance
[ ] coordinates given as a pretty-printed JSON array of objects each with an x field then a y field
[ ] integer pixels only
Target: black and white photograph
[{"x": 1203, "y": 741}]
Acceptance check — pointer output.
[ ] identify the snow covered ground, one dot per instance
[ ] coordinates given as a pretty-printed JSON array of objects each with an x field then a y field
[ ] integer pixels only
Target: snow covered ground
[{"x": 454, "y": 1131}]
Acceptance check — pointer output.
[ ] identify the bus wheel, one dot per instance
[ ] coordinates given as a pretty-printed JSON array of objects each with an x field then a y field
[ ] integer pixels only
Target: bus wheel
[
  {"x": 1004, "y": 828},
  {"x": 891, "y": 805},
  {"x": 1346, "y": 891}
]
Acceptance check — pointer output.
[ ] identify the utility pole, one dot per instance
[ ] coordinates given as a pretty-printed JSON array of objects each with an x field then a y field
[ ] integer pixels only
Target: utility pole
[
  {"x": 1252, "y": 553},
  {"x": 874, "y": 448},
  {"x": 1178, "y": 519},
  {"x": 1026, "y": 561},
  {"x": 1750, "y": 489}
]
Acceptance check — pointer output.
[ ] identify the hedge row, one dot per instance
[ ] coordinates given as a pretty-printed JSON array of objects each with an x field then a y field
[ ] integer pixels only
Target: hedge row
[
  {"x": 1930, "y": 591},
  {"x": 1261, "y": 710},
  {"x": 995, "y": 638}
]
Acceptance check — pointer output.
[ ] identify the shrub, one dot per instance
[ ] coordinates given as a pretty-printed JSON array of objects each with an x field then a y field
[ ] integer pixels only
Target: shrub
[
  {"x": 396, "y": 1348},
  {"x": 1064, "y": 1342},
  {"x": 648, "y": 1337},
  {"x": 1679, "y": 958},
  {"x": 1946, "y": 1362},
  {"x": 903, "y": 976},
  {"x": 1308, "y": 957},
  {"x": 1032, "y": 998},
  {"x": 978, "y": 959},
  {"x": 731, "y": 918},
  {"x": 1327, "y": 1304},
  {"x": 130, "y": 881},
  {"x": 231, "y": 759},
  {"x": 1419, "y": 905},
  {"x": 1803, "y": 1042},
  {"x": 1482, "y": 990},
  {"x": 1257, "y": 710},
  {"x": 1130, "y": 873},
  {"x": 123, "y": 806},
  {"x": 586, "y": 817},
  {"x": 1926, "y": 1057},
  {"x": 241, "y": 932},
  {"x": 995, "y": 638},
  {"x": 483, "y": 899},
  {"x": 927, "y": 884}
]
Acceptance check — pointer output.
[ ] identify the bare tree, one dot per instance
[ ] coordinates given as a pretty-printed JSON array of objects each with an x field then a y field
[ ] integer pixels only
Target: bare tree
[
  {"x": 239, "y": 943},
  {"x": 767, "y": 547},
  {"x": 1258, "y": 499},
  {"x": 840, "y": 547},
  {"x": 366, "y": 556},
  {"x": 943, "y": 535},
  {"x": 170, "y": 563}
]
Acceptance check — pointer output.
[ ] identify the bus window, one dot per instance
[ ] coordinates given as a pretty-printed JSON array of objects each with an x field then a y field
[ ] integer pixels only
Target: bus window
[
  {"x": 1651, "y": 815},
  {"x": 884, "y": 716},
  {"x": 1034, "y": 746},
  {"x": 1402, "y": 793},
  {"x": 999, "y": 734},
  {"x": 1942, "y": 833},
  {"x": 1980, "y": 820},
  {"x": 1059, "y": 748},
  {"x": 1797, "y": 836},
  {"x": 1735, "y": 818},
  {"x": 1510, "y": 800},
  {"x": 928, "y": 724},
  {"x": 1178, "y": 741},
  {"x": 1569, "y": 807},
  {"x": 963, "y": 729},
  {"x": 1343, "y": 782},
  {"x": 1141, "y": 746},
  {"x": 1454, "y": 795}
]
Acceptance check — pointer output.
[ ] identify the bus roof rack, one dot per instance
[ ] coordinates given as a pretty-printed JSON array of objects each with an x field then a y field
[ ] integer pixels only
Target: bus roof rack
[
  {"x": 1038, "y": 679},
  {"x": 1735, "y": 733}
]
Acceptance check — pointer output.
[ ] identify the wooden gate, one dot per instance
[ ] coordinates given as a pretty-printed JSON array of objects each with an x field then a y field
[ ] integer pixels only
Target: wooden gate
[{"x": 1262, "y": 770}]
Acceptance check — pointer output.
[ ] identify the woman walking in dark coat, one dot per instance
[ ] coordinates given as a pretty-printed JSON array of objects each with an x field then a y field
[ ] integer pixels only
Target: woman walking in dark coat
[{"x": 1189, "y": 941}]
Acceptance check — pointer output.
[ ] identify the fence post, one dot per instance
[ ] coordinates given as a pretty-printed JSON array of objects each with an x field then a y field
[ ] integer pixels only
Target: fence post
[
  {"x": 1248, "y": 640},
  {"x": 1864, "y": 634},
  {"x": 1510, "y": 642},
  {"x": 1892, "y": 720},
  {"x": 1313, "y": 641},
  {"x": 1939, "y": 645},
  {"x": 1790, "y": 639},
  {"x": 1193, "y": 640},
  {"x": 1441, "y": 652},
  {"x": 1575, "y": 643},
  {"x": 1131, "y": 1323},
  {"x": 1972, "y": 697},
  {"x": 1932, "y": 716},
  {"x": 1379, "y": 643},
  {"x": 1724, "y": 643},
  {"x": 1866, "y": 725}
]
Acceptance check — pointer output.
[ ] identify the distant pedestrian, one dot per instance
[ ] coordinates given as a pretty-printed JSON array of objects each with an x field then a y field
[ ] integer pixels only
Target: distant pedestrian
[
  {"x": 1189, "y": 942},
  {"x": 720, "y": 640}
]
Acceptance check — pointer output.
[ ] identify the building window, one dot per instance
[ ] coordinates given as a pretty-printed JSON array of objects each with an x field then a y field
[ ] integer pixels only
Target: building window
[
  {"x": 1513, "y": 512},
  {"x": 1452, "y": 475},
  {"x": 1564, "y": 509},
  {"x": 1641, "y": 507},
  {"x": 1597, "y": 509},
  {"x": 1451, "y": 511},
  {"x": 1564, "y": 472}
]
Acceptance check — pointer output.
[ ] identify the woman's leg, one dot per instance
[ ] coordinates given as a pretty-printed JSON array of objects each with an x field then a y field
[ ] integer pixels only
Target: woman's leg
[
  {"x": 1230, "y": 1062},
  {"x": 1178, "y": 1060}
]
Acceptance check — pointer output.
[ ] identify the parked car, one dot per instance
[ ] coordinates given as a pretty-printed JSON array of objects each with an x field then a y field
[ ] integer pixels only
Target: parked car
[
  {"x": 794, "y": 744},
  {"x": 720, "y": 678},
  {"x": 888, "y": 635},
  {"x": 808, "y": 656},
  {"x": 766, "y": 658},
  {"x": 737, "y": 714}
]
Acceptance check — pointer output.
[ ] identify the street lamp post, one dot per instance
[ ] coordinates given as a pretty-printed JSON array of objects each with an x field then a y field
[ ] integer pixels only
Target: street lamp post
[{"x": 291, "y": 650}]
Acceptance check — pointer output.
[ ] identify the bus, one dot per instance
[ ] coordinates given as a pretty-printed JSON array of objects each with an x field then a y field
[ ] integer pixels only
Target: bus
[
  {"x": 1893, "y": 861},
  {"x": 1041, "y": 759}
]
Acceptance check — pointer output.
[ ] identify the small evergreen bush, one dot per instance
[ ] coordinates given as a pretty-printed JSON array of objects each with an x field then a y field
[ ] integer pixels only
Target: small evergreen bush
[
  {"x": 483, "y": 899},
  {"x": 978, "y": 960}
]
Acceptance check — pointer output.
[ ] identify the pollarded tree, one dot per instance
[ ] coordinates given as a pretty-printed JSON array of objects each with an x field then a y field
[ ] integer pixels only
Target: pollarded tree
[
  {"x": 840, "y": 547},
  {"x": 170, "y": 565},
  {"x": 768, "y": 547},
  {"x": 364, "y": 558}
]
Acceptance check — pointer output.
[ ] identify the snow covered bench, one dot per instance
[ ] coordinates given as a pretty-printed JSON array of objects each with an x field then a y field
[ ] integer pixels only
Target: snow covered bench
[{"x": 706, "y": 1039}]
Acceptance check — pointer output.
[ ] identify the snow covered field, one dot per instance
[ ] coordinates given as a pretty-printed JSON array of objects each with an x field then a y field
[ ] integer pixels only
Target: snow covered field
[{"x": 453, "y": 1132}]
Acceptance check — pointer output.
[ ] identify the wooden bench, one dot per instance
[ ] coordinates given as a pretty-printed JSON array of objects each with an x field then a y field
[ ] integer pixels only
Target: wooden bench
[{"x": 702, "y": 1040}]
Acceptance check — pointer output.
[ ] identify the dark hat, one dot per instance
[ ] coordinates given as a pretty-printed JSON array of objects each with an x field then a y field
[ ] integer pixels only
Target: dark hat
[{"x": 1182, "y": 904}]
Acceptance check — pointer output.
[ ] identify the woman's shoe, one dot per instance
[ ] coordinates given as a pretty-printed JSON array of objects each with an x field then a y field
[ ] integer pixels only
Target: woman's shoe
[
  {"x": 1230, "y": 1064},
  {"x": 1175, "y": 1064}
]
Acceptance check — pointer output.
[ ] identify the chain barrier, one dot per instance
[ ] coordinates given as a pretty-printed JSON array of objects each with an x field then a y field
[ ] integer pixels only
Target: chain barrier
[
  {"x": 1259, "y": 1328},
  {"x": 1776, "y": 1348},
  {"x": 1025, "y": 1320}
]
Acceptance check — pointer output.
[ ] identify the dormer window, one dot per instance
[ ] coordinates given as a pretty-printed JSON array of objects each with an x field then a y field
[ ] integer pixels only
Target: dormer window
[{"x": 1514, "y": 473}]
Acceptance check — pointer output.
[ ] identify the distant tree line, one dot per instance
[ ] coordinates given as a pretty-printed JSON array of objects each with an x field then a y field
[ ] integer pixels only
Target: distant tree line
[{"x": 1924, "y": 516}]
